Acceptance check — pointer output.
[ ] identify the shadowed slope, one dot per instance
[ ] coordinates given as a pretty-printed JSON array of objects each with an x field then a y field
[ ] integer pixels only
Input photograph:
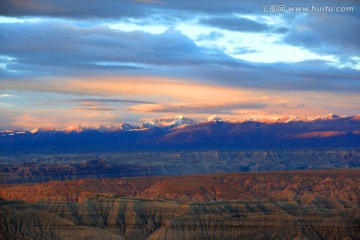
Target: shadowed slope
[
  {"x": 27, "y": 168},
  {"x": 321, "y": 204}
]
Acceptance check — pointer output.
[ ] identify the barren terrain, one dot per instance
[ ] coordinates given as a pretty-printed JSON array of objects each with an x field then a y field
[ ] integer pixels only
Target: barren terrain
[{"x": 322, "y": 204}]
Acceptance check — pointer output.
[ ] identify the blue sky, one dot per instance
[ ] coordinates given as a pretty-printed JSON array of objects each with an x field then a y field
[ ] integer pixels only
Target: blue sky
[{"x": 101, "y": 62}]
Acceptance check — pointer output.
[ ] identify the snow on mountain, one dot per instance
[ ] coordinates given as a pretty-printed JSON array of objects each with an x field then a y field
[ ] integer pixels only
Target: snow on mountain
[
  {"x": 126, "y": 126},
  {"x": 12, "y": 132},
  {"x": 287, "y": 119},
  {"x": 174, "y": 123},
  {"x": 37, "y": 130},
  {"x": 42, "y": 130},
  {"x": 284, "y": 119},
  {"x": 331, "y": 116},
  {"x": 147, "y": 125},
  {"x": 181, "y": 120},
  {"x": 110, "y": 128},
  {"x": 214, "y": 118}
]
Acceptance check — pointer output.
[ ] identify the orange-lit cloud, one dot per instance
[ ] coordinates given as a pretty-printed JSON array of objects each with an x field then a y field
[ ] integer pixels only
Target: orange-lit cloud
[
  {"x": 167, "y": 90},
  {"x": 95, "y": 108},
  {"x": 91, "y": 103},
  {"x": 194, "y": 108},
  {"x": 61, "y": 118},
  {"x": 94, "y": 101},
  {"x": 176, "y": 89}
]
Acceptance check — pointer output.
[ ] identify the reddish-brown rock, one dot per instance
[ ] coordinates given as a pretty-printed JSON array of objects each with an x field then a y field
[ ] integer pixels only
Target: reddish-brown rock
[{"x": 321, "y": 204}]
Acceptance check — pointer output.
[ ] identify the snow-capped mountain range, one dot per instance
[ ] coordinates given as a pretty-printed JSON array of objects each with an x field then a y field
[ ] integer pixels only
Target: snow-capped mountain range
[
  {"x": 330, "y": 131},
  {"x": 178, "y": 122}
]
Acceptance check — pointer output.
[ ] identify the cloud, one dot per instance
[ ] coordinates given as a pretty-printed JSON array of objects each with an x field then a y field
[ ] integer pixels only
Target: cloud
[
  {"x": 95, "y": 108},
  {"x": 244, "y": 50},
  {"x": 68, "y": 49},
  {"x": 114, "y": 9},
  {"x": 212, "y": 36},
  {"x": 242, "y": 24},
  {"x": 108, "y": 100},
  {"x": 326, "y": 33},
  {"x": 301, "y": 76},
  {"x": 148, "y": 87},
  {"x": 69, "y": 9},
  {"x": 301, "y": 105},
  {"x": 54, "y": 51},
  {"x": 194, "y": 108},
  {"x": 235, "y": 24},
  {"x": 174, "y": 96},
  {"x": 32, "y": 118},
  {"x": 148, "y": 1},
  {"x": 53, "y": 48},
  {"x": 6, "y": 120},
  {"x": 97, "y": 104}
]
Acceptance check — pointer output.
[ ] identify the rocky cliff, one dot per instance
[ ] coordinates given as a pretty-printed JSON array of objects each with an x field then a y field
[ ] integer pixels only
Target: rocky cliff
[{"x": 322, "y": 204}]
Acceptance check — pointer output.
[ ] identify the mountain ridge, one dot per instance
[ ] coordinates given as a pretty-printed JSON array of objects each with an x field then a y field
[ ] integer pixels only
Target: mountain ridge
[
  {"x": 326, "y": 132},
  {"x": 174, "y": 122}
]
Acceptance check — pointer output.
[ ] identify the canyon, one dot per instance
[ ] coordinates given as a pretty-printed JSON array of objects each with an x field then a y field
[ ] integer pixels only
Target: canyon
[
  {"x": 311, "y": 204},
  {"x": 290, "y": 178}
]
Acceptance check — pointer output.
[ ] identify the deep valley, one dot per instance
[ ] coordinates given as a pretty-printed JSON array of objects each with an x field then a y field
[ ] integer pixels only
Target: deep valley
[{"x": 322, "y": 204}]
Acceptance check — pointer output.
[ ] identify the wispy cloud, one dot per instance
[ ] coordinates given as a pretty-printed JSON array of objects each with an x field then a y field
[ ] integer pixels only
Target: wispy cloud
[
  {"x": 95, "y": 108},
  {"x": 326, "y": 34},
  {"x": 70, "y": 50},
  {"x": 236, "y": 24},
  {"x": 192, "y": 109},
  {"x": 196, "y": 57},
  {"x": 108, "y": 100},
  {"x": 122, "y": 9},
  {"x": 61, "y": 118}
]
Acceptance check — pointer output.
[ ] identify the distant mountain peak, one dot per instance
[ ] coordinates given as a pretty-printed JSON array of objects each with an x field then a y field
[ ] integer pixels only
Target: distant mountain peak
[
  {"x": 331, "y": 116},
  {"x": 78, "y": 128},
  {"x": 287, "y": 119},
  {"x": 148, "y": 124},
  {"x": 328, "y": 117},
  {"x": 214, "y": 118},
  {"x": 125, "y": 126},
  {"x": 42, "y": 129},
  {"x": 180, "y": 117},
  {"x": 173, "y": 123},
  {"x": 182, "y": 120}
]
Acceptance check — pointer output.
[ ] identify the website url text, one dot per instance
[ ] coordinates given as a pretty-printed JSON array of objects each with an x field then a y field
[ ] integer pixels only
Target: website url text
[{"x": 283, "y": 8}]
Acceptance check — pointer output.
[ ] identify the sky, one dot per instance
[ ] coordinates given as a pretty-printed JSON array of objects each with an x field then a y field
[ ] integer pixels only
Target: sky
[{"x": 69, "y": 63}]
